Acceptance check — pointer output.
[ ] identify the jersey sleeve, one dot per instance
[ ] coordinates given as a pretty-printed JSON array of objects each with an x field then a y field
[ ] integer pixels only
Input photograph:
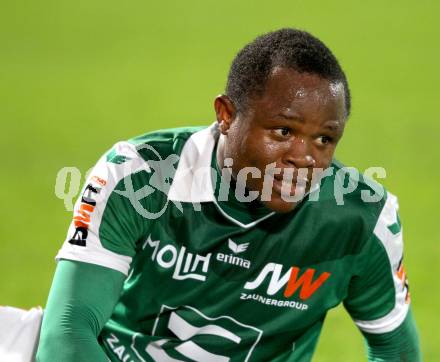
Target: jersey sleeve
[
  {"x": 81, "y": 301},
  {"x": 378, "y": 297},
  {"x": 105, "y": 225}
]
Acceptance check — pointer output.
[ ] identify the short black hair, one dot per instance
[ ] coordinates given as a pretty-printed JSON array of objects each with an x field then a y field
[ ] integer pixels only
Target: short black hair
[{"x": 290, "y": 48}]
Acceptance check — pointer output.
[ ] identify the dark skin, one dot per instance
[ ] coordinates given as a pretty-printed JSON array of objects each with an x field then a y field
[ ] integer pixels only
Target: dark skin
[{"x": 296, "y": 123}]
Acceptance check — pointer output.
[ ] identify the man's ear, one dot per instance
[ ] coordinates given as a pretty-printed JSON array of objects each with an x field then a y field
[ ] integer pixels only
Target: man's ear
[{"x": 225, "y": 112}]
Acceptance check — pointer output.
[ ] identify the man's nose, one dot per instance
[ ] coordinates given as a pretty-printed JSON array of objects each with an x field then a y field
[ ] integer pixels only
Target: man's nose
[{"x": 299, "y": 154}]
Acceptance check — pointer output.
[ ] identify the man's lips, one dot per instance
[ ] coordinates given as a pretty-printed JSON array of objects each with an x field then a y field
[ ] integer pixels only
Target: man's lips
[
  {"x": 290, "y": 186},
  {"x": 292, "y": 180}
]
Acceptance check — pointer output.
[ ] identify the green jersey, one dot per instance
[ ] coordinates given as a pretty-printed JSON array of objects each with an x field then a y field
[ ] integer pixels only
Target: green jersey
[{"x": 210, "y": 279}]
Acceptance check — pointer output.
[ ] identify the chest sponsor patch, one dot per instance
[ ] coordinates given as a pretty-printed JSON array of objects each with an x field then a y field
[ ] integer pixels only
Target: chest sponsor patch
[{"x": 294, "y": 282}]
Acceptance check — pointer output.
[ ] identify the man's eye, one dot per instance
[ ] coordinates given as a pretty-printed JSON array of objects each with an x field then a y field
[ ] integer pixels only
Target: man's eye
[
  {"x": 324, "y": 140},
  {"x": 283, "y": 131}
]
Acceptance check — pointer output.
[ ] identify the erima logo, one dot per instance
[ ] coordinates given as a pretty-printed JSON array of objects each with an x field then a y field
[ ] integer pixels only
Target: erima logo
[
  {"x": 237, "y": 248},
  {"x": 291, "y": 279},
  {"x": 232, "y": 259}
]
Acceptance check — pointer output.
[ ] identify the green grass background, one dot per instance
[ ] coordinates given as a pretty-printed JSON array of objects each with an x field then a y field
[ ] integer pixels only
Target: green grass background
[{"x": 75, "y": 77}]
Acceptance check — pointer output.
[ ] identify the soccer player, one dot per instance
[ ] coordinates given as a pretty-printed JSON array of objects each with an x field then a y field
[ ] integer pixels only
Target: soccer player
[{"x": 231, "y": 242}]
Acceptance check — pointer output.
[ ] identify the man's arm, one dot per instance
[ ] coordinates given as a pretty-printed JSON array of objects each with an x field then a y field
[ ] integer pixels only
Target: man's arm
[
  {"x": 401, "y": 344},
  {"x": 94, "y": 260},
  {"x": 378, "y": 297},
  {"x": 81, "y": 300}
]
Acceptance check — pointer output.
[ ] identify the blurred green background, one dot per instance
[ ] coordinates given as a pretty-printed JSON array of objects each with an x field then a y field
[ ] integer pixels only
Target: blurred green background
[{"x": 75, "y": 77}]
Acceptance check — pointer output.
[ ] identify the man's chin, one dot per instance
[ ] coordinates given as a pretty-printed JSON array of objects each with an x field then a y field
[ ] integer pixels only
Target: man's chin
[
  {"x": 278, "y": 205},
  {"x": 286, "y": 202}
]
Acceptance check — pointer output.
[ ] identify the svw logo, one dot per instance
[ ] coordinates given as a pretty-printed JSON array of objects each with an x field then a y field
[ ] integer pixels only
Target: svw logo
[{"x": 304, "y": 282}]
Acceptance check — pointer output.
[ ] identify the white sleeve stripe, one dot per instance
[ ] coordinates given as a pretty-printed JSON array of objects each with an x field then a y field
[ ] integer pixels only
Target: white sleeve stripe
[
  {"x": 102, "y": 257},
  {"x": 393, "y": 245},
  {"x": 112, "y": 173},
  {"x": 385, "y": 324}
]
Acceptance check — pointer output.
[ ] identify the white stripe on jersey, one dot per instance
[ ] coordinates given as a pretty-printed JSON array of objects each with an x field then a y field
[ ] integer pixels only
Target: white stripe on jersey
[
  {"x": 111, "y": 173},
  {"x": 393, "y": 244}
]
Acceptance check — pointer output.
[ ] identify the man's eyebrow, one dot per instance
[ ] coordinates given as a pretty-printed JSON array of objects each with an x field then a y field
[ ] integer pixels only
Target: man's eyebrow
[
  {"x": 332, "y": 125},
  {"x": 291, "y": 116}
]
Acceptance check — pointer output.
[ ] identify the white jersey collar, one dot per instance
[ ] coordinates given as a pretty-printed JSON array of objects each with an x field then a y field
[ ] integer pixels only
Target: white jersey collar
[{"x": 192, "y": 181}]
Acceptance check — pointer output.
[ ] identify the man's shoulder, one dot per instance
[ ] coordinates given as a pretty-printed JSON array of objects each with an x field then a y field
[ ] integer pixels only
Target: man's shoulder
[
  {"x": 360, "y": 191},
  {"x": 352, "y": 200},
  {"x": 139, "y": 156},
  {"x": 163, "y": 142}
]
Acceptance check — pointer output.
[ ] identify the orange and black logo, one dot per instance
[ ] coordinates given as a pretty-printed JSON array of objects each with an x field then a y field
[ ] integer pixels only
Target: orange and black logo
[{"x": 81, "y": 219}]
